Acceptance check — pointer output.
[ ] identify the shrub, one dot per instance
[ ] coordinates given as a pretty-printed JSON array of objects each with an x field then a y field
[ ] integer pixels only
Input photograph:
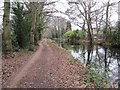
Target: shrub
[
  {"x": 97, "y": 78},
  {"x": 76, "y": 34}
]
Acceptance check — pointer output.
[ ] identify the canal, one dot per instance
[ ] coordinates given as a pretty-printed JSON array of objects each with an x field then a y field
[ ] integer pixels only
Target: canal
[{"x": 104, "y": 61}]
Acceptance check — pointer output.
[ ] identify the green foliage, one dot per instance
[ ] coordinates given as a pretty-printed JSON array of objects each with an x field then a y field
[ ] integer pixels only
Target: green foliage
[
  {"x": 15, "y": 45},
  {"x": 78, "y": 34},
  {"x": 116, "y": 35},
  {"x": 21, "y": 25},
  {"x": 68, "y": 46},
  {"x": 69, "y": 34},
  {"x": 55, "y": 34},
  {"x": 107, "y": 35},
  {"x": 81, "y": 34},
  {"x": 113, "y": 36},
  {"x": 74, "y": 35},
  {"x": 99, "y": 79}
]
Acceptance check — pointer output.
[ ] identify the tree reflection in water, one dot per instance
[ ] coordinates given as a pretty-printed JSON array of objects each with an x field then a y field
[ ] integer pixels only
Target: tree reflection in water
[
  {"x": 106, "y": 59},
  {"x": 118, "y": 72}
]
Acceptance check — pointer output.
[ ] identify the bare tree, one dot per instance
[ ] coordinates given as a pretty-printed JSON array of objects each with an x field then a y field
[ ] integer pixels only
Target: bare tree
[
  {"x": 84, "y": 12},
  {"x": 37, "y": 12},
  {"x": 88, "y": 15}
]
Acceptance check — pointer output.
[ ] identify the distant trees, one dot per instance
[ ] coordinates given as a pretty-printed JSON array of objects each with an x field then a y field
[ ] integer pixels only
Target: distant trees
[
  {"x": 111, "y": 33},
  {"x": 73, "y": 36},
  {"x": 107, "y": 30},
  {"x": 116, "y": 35},
  {"x": 83, "y": 10},
  {"x": 89, "y": 14},
  {"x": 27, "y": 24},
  {"x": 56, "y": 27},
  {"x": 68, "y": 26},
  {"x": 37, "y": 21},
  {"x": 38, "y": 13},
  {"x": 25, "y": 28}
]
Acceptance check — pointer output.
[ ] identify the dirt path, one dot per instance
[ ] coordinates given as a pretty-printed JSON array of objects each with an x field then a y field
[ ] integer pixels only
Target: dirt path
[{"x": 48, "y": 68}]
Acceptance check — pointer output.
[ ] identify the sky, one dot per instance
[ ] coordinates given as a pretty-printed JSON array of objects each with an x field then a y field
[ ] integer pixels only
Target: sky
[
  {"x": 114, "y": 18},
  {"x": 62, "y": 6}
]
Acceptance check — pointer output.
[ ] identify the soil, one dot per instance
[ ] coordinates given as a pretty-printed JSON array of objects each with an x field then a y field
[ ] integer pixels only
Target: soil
[{"x": 48, "y": 67}]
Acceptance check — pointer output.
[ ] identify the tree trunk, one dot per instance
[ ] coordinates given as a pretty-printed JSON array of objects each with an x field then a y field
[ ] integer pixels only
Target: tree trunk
[
  {"x": 39, "y": 21},
  {"x": 106, "y": 26},
  {"x": 89, "y": 23},
  {"x": 89, "y": 28},
  {"x": 36, "y": 9},
  {"x": 33, "y": 27},
  {"x": 7, "y": 44}
]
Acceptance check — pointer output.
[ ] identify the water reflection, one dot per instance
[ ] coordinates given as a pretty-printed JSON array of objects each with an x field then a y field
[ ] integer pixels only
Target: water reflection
[
  {"x": 106, "y": 59},
  {"x": 118, "y": 73}
]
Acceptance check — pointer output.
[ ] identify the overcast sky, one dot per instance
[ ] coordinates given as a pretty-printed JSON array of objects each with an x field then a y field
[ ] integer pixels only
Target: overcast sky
[{"x": 62, "y": 5}]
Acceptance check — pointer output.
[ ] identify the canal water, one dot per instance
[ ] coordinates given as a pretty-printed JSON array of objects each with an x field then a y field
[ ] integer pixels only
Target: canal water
[{"x": 102, "y": 60}]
